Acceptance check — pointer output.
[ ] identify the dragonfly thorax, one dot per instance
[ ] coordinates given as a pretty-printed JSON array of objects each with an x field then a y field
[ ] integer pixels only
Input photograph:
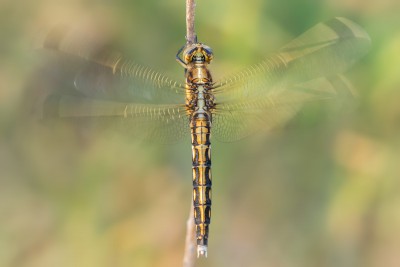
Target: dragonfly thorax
[{"x": 198, "y": 53}]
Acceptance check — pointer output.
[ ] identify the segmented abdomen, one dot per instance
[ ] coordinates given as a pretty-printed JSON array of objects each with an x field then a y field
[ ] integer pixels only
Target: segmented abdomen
[{"x": 200, "y": 126}]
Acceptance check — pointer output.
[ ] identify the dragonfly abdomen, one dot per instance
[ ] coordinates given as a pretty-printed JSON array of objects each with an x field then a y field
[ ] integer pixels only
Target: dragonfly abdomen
[{"x": 200, "y": 126}]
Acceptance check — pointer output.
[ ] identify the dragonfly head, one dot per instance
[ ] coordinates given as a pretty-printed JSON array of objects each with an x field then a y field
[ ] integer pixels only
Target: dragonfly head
[{"x": 198, "y": 53}]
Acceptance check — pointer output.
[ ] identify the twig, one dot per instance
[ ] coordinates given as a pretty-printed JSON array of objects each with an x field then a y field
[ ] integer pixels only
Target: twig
[
  {"x": 190, "y": 33},
  {"x": 189, "y": 257}
]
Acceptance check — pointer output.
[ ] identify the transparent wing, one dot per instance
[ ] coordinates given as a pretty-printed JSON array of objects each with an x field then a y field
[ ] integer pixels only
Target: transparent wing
[
  {"x": 325, "y": 50},
  {"x": 268, "y": 94},
  {"x": 106, "y": 74},
  {"x": 158, "y": 123},
  {"x": 236, "y": 120}
]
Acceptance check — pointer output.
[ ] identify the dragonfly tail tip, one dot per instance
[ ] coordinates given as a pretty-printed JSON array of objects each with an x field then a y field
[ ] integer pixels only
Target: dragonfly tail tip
[{"x": 201, "y": 251}]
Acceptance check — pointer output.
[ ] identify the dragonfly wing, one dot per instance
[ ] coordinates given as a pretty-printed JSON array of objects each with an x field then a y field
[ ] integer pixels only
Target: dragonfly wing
[
  {"x": 327, "y": 49},
  {"x": 107, "y": 74},
  {"x": 155, "y": 123},
  {"x": 100, "y": 81},
  {"x": 268, "y": 94},
  {"x": 236, "y": 120}
]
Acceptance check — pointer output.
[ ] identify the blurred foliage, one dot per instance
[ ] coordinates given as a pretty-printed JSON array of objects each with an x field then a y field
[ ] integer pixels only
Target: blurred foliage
[{"x": 323, "y": 191}]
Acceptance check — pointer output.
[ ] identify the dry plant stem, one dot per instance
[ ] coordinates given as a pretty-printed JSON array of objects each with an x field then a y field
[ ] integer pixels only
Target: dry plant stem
[
  {"x": 190, "y": 12},
  {"x": 190, "y": 242},
  {"x": 189, "y": 257}
]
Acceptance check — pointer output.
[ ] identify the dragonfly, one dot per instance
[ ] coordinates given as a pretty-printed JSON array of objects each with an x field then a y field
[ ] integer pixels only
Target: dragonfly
[{"x": 259, "y": 98}]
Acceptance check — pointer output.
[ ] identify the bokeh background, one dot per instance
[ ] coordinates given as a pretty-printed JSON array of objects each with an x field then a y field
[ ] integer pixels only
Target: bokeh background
[{"x": 322, "y": 191}]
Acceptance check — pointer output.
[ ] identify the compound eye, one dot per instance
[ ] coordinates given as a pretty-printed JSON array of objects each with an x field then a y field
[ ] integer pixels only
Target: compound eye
[
  {"x": 189, "y": 53},
  {"x": 208, "y": 50}
]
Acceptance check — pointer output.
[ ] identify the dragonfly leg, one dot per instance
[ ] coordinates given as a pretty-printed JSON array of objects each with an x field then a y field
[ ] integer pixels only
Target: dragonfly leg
[{"x": 179, "y": 59}]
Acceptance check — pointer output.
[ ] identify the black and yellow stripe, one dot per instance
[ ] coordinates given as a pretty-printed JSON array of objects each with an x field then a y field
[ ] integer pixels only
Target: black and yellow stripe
[{"x": 200, "y": 126}]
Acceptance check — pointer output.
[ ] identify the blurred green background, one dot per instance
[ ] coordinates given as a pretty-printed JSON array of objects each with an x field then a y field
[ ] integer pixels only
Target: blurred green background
[{"x": 322, "y": 191}]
